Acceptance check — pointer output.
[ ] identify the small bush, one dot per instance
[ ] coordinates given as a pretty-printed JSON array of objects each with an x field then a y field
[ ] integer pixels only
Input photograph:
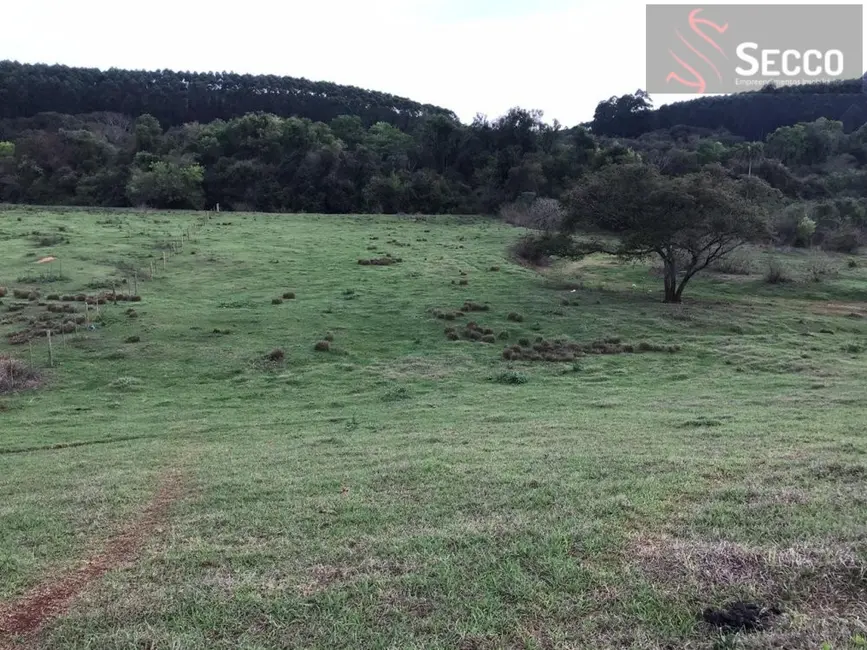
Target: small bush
[
  {"x": 52, "y": 296},
  {"x": 515, "y": 317},
  {"x": 3, "y": 292},
  {"x": 510, "y": 378},
  {"x": 738, "y": 262},
  {"x": 524, "y": 342},
  {"x": 474, "y": 306},
  {"x": 322, "y": 346},
  {"x": 463, "y": 282},
  {"x": 15, "y": 375},
  {"x": 289, "y": 295},
  {"x": 820, "y": 268},
  {"x": 503, "y": 336},
  {"x": 852, "y": 264},
  {"x": 494, "y": 268},
  {"x": 489, "y": 338},
  {"x": 777, "y": 273},
  {"x": 329, "y": 337},
  {"x": 276, "y": 355},
  {"x": 276, "y": 301},
  {"x": 133, "y": 339}
]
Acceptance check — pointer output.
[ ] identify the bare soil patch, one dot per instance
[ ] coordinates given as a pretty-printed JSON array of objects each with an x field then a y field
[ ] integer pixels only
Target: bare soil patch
[{"x": 54, "y": 596}]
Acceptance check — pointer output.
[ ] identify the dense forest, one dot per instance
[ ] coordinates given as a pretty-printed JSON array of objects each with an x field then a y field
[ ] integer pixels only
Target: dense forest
[
  {"x": 752, "y": 115},
  {"x": 175, "y": 98},
  {"x": 171, "y": 140}
]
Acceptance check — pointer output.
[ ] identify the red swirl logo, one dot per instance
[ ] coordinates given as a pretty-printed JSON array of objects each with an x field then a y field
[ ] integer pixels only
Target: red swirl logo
[{"x": 696, "y": 80}]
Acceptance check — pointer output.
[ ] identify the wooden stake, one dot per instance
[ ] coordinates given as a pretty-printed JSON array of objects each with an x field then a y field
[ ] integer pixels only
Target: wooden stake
[{"x": 50, "y": 350}]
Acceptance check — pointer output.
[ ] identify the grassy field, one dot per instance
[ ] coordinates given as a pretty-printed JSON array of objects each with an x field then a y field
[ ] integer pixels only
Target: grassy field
[{"x": 404, "y": 490}]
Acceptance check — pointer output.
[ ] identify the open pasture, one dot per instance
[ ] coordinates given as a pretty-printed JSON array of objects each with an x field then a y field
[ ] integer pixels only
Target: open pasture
[{"x": 283, "y": 437}]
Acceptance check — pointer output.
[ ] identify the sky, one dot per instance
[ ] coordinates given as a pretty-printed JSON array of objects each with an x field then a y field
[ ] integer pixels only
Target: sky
[{"x": 471, "y": 56}]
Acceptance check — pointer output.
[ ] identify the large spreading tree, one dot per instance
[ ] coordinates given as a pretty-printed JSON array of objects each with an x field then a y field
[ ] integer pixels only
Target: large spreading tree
[{"x": 688, "y": 221}]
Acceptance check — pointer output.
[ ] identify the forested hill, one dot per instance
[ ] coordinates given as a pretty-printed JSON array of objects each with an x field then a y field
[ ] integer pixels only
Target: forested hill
[
  {"x": 176, "y": 98},
  {"x": 752, "y": 115}
]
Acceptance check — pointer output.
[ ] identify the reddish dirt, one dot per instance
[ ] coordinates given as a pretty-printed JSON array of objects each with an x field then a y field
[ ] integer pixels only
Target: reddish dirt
[{"x": 51, "y": 598}]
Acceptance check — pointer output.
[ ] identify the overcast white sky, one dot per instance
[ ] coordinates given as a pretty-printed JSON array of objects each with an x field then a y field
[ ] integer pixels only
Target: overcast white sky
[{"x": 472, "y": 56}]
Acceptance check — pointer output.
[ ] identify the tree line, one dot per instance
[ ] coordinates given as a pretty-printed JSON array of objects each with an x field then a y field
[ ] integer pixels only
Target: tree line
[
  {"x": 261, "y": 161},
  {"x": 175, "y": 98},
  {"x": 750, "y": 115}
]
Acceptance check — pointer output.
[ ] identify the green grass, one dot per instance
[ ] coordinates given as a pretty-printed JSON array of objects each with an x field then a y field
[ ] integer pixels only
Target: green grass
[{"x": 402, "y": 490}]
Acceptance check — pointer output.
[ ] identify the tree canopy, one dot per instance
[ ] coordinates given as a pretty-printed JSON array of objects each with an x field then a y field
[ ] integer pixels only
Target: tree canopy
[{"x": 688, "y": 221}]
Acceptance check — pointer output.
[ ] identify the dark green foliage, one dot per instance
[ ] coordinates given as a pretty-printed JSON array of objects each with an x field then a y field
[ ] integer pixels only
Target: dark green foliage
[
  {"x": 510, "y": 377},
  {"x": 322, "y": 346},
  {"x": 175, "y": 98},
  {"x": 750, "y": 115}
]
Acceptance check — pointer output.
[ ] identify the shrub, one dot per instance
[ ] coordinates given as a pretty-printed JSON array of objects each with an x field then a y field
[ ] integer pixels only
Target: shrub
[
  {"x": 844, "y": 240},
  {"x": 820, "y": 267},
  {"x": 852, "y": 264},
  {"x": 738, "y": 262},
  {"x": 133, "y": 339},
  {"x": 515, "y": 317},
  {"x": 15, "y": 375},
  {"x": 21, "y": 294},
  {"x": 489, "y": 338},
  {"x": 777, "y": 273},
  {"x": 276, "y": 301},
  {"x": 329, "y": 337},
  {"x": 52, "y": 296},
  {"x": 474, "y": 306},
  {"x": 464, "y": 282},
  {"x": 494, "y": 268},
  {"x": 3, "y": 292},
  {"x": 289, "y": 295},
  {"x": 539, "y": 214},
  {"x": 511, "y": 378},
  {"x": 524, "y": 342},
  {"x": 503, "y": 336},
  {"x": 322, "y": 346}
]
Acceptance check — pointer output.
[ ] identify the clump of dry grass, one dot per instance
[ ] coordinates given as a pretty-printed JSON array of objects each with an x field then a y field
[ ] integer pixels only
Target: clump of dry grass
[
  {"x": 3, "y": 292},
  {"x": 469, "y": 305},
  {"x": 322, "y": 346},
  {"x": 447, "y": 315},
  {"x": 822, "y": 580},
  {"x": 463, "y": 282},
  {"x": 388, "y": 260},
  {"x": 275, "y": 356},
  {"x": 515, "y": 317},
  {"x": 289, "y": 295},
  {"x": 563, "y": 350},
  {"x": 276, "y": 301},
  {"x": 16, "y": 375},
  {"x": 472, "y": 331}
]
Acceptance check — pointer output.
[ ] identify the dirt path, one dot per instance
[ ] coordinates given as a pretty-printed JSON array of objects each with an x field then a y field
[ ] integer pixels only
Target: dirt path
[{"x": 52, "y": 598}]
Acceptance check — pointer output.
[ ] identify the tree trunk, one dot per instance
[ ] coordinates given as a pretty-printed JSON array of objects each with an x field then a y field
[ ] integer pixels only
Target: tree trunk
[{"x": 671, "y": 292}]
